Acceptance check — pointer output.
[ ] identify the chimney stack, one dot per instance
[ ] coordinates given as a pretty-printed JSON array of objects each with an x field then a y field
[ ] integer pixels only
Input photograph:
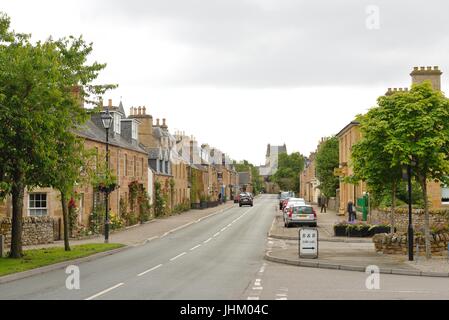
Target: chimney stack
[
  {"x": 157, "y": 122},
  {"x": 110, "y": 104},
  {"x": 432, "y": 74}
]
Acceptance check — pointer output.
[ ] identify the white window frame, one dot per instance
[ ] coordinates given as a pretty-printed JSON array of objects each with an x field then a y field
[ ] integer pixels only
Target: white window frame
[
  {"x": 443, "y": 189},
  {"x": 134, "y": 131},
  {"x": 34, "y": 209},
  {"x": 117, "y": 123}
]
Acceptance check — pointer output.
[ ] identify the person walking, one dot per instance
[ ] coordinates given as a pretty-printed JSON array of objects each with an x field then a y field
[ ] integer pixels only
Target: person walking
[
  {"x": 351, "y": 211},
  {"x": 323, "y": 204}
]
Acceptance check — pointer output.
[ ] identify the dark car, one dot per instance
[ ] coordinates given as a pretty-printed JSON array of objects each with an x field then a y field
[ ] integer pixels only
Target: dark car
[{"x": 245, "y": 199}]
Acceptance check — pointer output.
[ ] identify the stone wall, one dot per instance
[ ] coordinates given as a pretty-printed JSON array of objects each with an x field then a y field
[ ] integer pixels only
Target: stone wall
[
  {"x": 36, "y": 230},
  {"x": 401, "y": 218},
  {"x": 397, "y": 244},
  {"x": 333, "y": 204}
]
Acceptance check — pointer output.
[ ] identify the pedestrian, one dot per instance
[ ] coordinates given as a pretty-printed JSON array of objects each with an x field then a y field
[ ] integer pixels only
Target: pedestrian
[
  {"x": 351, "y": 212},
  {"x": 219, "y": 197},
  {"x": 323, "y": 204}
]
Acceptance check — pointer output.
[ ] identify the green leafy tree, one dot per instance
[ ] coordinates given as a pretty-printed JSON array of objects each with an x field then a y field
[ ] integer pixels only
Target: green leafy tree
[
  {"x": 289, "y": 168},
  {"x": 418, "y": 135},
  {"x": 38, "y": 109},
  {"x": 327, "y": 159}
]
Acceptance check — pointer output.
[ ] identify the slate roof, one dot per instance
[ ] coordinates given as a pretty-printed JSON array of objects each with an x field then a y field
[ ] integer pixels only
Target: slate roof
[{"x": 92, "y": 132}]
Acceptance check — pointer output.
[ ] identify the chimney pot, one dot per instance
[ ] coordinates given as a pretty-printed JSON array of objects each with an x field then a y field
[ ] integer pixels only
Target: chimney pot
[
  {"x": 140, "y": 111},
  {"x": 435, "y": 68},
  {"x": 157, "y": 122},
  {"x": 164, "y": 122},
  {"x": 110, "y": 103},
  {"x": 429, "y": 68},
  {"x": 144, "y": 110}
]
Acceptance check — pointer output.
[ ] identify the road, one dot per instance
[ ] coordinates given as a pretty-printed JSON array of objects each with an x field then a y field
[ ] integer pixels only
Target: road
[
  {"x": 219, "y": 258},
  {"x": 216, "y": 258}
]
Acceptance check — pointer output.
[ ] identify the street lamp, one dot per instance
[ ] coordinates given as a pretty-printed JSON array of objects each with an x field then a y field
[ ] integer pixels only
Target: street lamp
[
  {"x": 407, "y": 173},
  {"x": 106, "y": 118}
]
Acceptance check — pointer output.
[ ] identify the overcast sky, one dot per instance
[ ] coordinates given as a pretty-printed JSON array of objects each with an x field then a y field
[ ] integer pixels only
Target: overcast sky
[{"x": 239, "y": 74}]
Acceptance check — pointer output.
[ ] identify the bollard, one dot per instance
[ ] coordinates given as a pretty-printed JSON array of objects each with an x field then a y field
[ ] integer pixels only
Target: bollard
[{"x": 2, "y": 246}]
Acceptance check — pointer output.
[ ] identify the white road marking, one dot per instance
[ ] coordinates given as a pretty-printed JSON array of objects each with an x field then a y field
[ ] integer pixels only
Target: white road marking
[
  {"x": 150, "y": 270},
  {"x": 217, "y": 234},
  {"x": 194, "y": 248},
  {"x": 224, "y": 229},
  {"x": 105, "y": 291},
  {"x": 253, "y": 298},
  {"x": 258, "y": 288},
  {"x": 208, "y": 240},
  {"x": 178, "y": 256}
]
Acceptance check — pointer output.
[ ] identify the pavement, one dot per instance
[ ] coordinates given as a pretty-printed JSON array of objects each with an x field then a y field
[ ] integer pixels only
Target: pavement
[
  {"x": 140, "y": 234},
  {"x": 344, "y": 253}
]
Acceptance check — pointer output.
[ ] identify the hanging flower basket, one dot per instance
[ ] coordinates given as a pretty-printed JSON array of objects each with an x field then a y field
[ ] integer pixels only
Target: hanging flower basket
[{"x": 107, "y": 188}]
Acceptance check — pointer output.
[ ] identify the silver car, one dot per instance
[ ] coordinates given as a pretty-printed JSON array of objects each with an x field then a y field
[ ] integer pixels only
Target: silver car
[{"x": 300, "y": 214}]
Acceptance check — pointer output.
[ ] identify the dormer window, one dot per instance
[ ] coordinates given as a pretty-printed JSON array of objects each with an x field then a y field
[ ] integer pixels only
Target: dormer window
[{"x": 117, "y": 123}]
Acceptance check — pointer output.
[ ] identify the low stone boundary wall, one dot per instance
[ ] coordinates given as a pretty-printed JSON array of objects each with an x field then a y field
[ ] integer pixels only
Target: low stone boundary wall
[
  {"x": 401, "y": 218},
  {"x": 398, "y": 244},
  {"x": 36, "y": 230}
]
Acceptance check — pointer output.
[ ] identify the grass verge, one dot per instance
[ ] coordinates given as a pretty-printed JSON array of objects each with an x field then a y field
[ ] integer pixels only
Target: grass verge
[{"x": 37, "y": 258}]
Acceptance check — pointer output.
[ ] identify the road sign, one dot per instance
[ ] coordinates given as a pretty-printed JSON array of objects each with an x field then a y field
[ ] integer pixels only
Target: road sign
[{"x": 308, "y": 243}]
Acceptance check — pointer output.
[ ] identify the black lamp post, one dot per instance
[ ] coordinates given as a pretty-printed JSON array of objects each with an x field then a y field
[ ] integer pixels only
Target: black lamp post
[{"x": 106, "y": 118}]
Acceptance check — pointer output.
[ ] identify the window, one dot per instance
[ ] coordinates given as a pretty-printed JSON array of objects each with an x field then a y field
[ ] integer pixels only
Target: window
[
  {"x": 117, "y": 125},
  {"x": 134, "y": 130},
  {"x": 37, "y": 204},
  {"x": 135, "y": 166},
  {"x": 126, "y": 165},
  {"x": 445, "y": 195}
]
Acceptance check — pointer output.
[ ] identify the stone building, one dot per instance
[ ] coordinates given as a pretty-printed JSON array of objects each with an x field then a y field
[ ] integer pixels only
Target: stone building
[
  {"x": 438, "y": 194},
  {"x": 128, "y": 161},
  {"x": 348, "y": 137},
  {"x": 170, "y": 167},
  {"x": 309, "y": 183},
  {"x": 271, "y": 166}
]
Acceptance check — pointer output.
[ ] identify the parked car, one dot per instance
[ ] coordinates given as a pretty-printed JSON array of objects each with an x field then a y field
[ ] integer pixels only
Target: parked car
[
  {"x": 300, "y": 215},
  {"x": 245, "y": 199},
  {"x": 291, "y": 202},
  {"x": 284, "y": 196},
  {"x": 237, "y": 199}
]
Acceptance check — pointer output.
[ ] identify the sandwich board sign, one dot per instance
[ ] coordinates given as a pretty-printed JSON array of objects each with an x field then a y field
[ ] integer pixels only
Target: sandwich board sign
[{"x": 308, "y": 243}]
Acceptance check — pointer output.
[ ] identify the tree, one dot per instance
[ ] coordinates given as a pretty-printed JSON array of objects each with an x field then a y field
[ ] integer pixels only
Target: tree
[
  {"x": 39, "y": 110},
  {"x": 327, "y": 159},
  {"x": 371, "y": 162},
  {"x": 419, "y": 136},
  {"x": 289, "y": 168}
]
